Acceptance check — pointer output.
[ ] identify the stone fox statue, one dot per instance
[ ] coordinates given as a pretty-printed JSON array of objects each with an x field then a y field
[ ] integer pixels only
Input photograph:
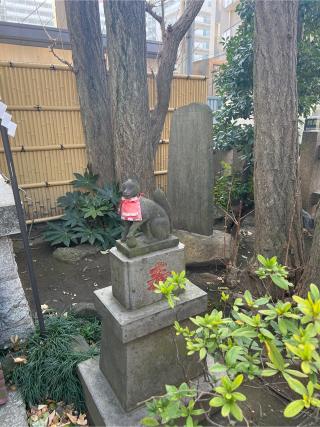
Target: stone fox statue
[{"x": 150, "y": 216}]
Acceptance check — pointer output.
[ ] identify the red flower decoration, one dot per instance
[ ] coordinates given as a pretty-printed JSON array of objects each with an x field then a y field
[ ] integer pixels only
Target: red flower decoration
[{"x": 158, "y": 273}]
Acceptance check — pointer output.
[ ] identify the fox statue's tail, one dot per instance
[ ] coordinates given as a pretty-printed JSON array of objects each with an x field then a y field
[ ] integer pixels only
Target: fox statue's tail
[{"x": 160, "y": 198}]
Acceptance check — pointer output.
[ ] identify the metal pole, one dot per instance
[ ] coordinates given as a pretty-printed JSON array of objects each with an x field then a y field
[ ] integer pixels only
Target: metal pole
[{"x": 23, "y": 229}]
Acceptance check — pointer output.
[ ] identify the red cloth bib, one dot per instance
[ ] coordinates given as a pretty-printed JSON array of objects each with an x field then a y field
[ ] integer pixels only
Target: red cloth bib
[{"x": 130, "y": 209}]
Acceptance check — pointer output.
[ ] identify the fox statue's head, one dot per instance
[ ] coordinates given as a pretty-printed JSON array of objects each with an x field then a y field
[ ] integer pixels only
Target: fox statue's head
[{"x": 130, "y": 188}]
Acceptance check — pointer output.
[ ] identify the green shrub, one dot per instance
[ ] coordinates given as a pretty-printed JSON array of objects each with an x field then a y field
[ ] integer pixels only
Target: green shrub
[
  {"x": 261, "y": 338},
  {"x": 230, "y": 188},
  {"x": 50, "y": 370},
  {"x": 90, "y": 216}
]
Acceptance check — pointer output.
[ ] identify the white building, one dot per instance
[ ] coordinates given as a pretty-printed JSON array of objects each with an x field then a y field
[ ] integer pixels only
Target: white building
[{"x": 36, "y": 12}]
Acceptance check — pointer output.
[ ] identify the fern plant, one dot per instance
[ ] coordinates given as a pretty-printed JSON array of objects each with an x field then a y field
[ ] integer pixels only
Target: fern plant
[{"x": 90, "y": 215}]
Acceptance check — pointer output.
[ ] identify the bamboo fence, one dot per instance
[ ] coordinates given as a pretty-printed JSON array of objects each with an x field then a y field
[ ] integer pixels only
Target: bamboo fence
[{"x": 49, "y": 144}]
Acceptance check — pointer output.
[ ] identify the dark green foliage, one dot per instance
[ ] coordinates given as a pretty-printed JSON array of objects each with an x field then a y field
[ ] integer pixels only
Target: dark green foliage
[
  {"x": 230, "y": 188},
  {"x": 90, "y": 215},
  {"x": 235, "y": 80},
  {"x": 50, "y": 371}
]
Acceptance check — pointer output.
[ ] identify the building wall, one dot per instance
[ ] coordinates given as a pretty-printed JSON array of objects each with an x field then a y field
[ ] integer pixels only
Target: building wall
[
  {"x": 36, "y": 12},
  {"x": 32, "y": 54},
  {"x": 224, "y": 23}
]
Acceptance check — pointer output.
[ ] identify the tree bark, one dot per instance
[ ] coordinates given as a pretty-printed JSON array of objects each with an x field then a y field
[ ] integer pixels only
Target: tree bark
[
  {"x": 276, "y": 178},
  {"x": 89, "y": 66},
  {"x": 311, "y": 272},
  {"x": 126, "y": 49}
]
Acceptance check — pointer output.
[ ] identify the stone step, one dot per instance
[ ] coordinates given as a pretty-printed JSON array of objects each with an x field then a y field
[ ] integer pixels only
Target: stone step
[{"x": 104, "y": 408}]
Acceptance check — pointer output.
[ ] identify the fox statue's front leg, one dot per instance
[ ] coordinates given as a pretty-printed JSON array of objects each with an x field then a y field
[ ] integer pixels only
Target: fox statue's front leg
[{"x": 127, "y": 225}]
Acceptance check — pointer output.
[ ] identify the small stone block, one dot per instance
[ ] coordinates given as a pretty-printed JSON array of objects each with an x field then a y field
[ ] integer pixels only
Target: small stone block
[
  {"x": 9, "y": 223},
  {"x": 129, "y": 325},
  {"x": 132, "y": 278},
  {"x": 146, "y": 248}
]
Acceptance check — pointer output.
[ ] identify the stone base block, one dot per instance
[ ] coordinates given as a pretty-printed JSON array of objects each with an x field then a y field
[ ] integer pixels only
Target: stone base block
[
  {"x": 132, "y": 278},
  {"x": 104, "y": 409},
  {"x": 143, "y": 248},
  {"x": 140, "y": 352}
]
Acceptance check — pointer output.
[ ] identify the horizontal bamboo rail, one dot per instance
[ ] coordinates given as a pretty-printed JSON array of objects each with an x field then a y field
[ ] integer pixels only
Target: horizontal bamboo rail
[
  {"x": 38, "y": 220},
  {"x": 54, "y": 108},
  {"x": 66, "y": 182},
  {"x": 30, "y": 148},
  {"x": 52, "y": 67}
]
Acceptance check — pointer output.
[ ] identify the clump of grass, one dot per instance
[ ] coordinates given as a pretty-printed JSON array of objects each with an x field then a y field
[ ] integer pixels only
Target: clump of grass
[{"x": 50, "y": 371}]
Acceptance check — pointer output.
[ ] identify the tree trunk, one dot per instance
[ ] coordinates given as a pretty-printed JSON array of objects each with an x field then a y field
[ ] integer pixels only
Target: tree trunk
[
  {"x": 276, "y": 179},
  {"x": 311, "y": 273},
  {"x": 89, "y": 66},
  {"x": 171, "y": 38},
  {"x": 126, "y": 49}
]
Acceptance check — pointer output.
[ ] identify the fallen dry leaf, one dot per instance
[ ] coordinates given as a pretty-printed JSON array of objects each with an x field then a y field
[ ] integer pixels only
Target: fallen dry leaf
[
  {"x": 51, "y": 418},
  {"x": 82, "y": 420},
  {"x": 21, "y": 359},
  {"x": 72, "y": 418}
]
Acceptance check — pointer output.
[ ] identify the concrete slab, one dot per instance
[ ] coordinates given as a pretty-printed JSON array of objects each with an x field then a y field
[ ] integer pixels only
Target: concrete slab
[
  {"x": 133, "y": 278},
  {"x": 103, "y": 406},
  {"x": 13, "y": 413},
  {"x": 129, "y": 325}
]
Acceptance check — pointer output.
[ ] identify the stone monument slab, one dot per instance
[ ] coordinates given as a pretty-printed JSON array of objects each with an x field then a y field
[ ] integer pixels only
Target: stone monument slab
[
  {"x": 140, "y": 347},
  {"x": 309, "y": 169},
  {"x": 190, "y": 171},
  {"x": 132, "y": 278}
]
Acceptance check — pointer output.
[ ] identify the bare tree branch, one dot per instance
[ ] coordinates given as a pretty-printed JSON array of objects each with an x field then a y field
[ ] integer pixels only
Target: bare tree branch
[
  {"x": 149, "y": 9},
  {"x": 167, "y": 59},
  {"x": 184, "y": 22},
  {"x": 64, "y": 61}
]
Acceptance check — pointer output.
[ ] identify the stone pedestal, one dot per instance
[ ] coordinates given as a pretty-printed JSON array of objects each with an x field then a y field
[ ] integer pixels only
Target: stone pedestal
[
  {"x": 132, "y": 278},
  {"x": 15, "y": 318},
  {"x": 140, "y": 352}
]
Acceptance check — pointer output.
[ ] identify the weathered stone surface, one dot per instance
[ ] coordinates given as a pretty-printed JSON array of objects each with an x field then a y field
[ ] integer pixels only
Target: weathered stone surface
[
  {"x": 13, "y": 413},
  {"x": 104, "y": 409},
  {"x": 131, "y": 278},
  {"x": 129, "y": 325},
  {"x": 146, "y": 248},
  {"x": 139, "y": 348},
  {"x": 190, "y": 171},
  {"x": 309, "y": 167},
  {"x": 75, "y": 254},
  {"x": 8, "y": 266},
  {"x": 15, "y": 318},
  {"x": 9, "y": 223},
  {"x": 85, "y": 310},
  {"x": 79, "y": 344},
  {"x": 203, "y": 250}
]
